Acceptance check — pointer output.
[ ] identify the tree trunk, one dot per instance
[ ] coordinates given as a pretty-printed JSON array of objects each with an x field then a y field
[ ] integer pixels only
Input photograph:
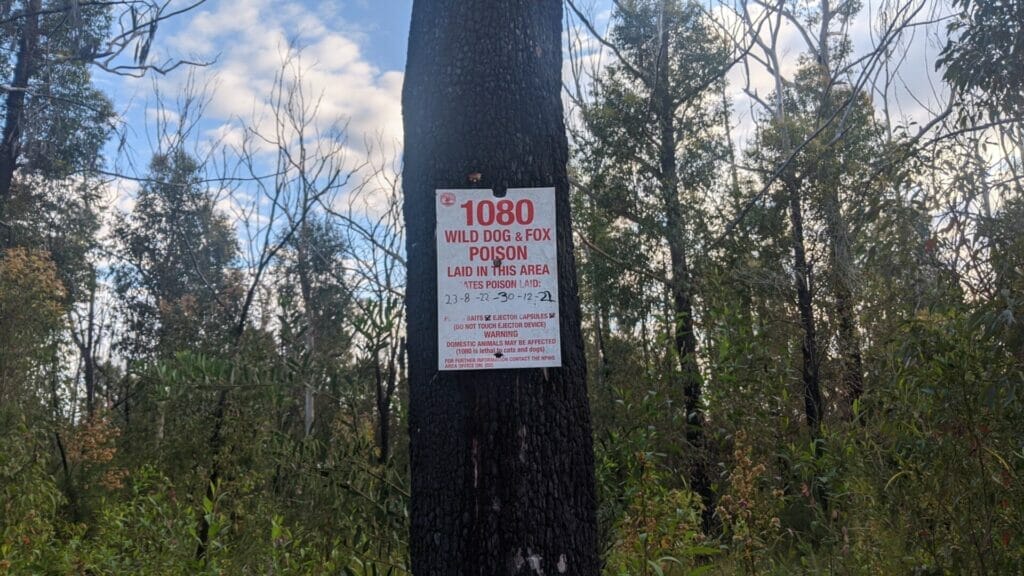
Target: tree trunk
[
  {"x": 501, "y": 461},
  {"x": 852, "y": 363},
  {"x": 682, "y": 301},
  {"x": 14, "y": 106},
  {"x": 86, "y": 344},
  {"x": 89, "y": 350},
  {"x": 841, "y": 259},
  {"x": 311, "y": 368},
  {"x": 805, "y": 305},
  {"x": 386, "y": 384}
]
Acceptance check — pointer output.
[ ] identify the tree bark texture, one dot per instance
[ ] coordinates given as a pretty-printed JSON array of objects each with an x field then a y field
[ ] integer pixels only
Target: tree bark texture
[
  {"x": 840, "y": 253},
  {"x": 502, "y": 461},
  {"x": 14, "y": 103},
  {"x": 810, "y": 371},
  {"x": 682, "y": 301},
  {"x": 311, "y": 378}
]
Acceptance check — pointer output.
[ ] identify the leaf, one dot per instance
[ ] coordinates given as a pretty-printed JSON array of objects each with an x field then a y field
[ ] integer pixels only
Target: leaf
[
  {"x": 894, "y": 477},
  {"x": 656, "y": 567}
]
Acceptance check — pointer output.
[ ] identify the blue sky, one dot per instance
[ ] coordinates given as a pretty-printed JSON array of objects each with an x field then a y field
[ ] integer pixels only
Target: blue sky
[
  {"x": 385, "y": 24},
  {"x": 354, "y": 54}
]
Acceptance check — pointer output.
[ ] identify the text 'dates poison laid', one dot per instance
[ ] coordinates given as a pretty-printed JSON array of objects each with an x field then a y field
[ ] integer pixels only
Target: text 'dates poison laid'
[{"x": 497, "y": 280}]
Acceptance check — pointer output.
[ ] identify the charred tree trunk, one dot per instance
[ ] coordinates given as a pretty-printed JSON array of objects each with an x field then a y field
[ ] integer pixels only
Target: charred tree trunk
[
  {"x": 805, "y": 305},
  {"x": 86, "y": 344},
  {"x": 89, "y": 350},
  {"x": 14, "y": 104},
  {"x": 680, "y": 287},
  {"x": 502, "y": 461},
  {"x": 386, "y": 379},
  {"x": 841, "y": 258}
]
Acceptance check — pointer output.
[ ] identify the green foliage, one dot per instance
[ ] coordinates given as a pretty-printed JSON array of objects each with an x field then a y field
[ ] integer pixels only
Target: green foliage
[
  {"x": 1005, "y": 315},
  {"x": 284, "y": 505},
  {"x": 658, "y": 529},
  {"x": 174, "y": 281},
  {"x": 31, "y": 317},
  {"x": 65, "y": 121},
  {"x": 62, "y": 218},
  {"x": 30, "y": 499},
  {"x": 649, "y": 519},
  {"x": 984, "y": 53},
  {"x": 897, "y": 482},
  {"x": 938, "y": 484},
  {"x": 275, "y": 437},
  {"x": 749, "y": 513}
]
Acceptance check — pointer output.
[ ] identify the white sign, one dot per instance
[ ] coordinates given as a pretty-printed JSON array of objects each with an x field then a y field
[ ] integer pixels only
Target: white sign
[{"x": 497, "y": 280}]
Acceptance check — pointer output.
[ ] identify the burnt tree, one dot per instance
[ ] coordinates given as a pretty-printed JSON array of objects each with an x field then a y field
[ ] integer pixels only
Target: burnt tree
[{"x": 501, "y": 460}]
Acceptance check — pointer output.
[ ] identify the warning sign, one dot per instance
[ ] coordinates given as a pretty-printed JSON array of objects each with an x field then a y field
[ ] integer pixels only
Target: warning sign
[{"x": 497, "y": 280}]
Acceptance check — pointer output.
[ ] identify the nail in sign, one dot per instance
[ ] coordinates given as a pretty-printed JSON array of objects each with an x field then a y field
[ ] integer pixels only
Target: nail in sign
[{"x": 497, "y": 280}]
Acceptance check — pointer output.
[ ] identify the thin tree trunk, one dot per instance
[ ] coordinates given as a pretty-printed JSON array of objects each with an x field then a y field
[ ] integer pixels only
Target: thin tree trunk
[
  {"x": 805, "y": 305},
  {"x": 161, "y": 421},
  {"x": 312, "y": 367},
  {"x": 501, "y": 461},
  {"x": 386, "y": 384},
  {"x": 86, "y": 345},
  {"x": 216, "y": 442},
  {"x": 734, "y": 173},
  {"x": 851, "y": 360},
  {"x": 89, "y": 352},
  {"x": 680, "y": 287},
  {"x": 842, "y": 285},
  {"x": 15, "y": 102},
  {"x": 603, "y": 365}
]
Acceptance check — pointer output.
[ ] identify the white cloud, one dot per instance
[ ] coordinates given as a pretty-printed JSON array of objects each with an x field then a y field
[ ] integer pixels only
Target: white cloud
[
  {"x": 251, "y": 46},
  {"x": 249, "y": 42}
]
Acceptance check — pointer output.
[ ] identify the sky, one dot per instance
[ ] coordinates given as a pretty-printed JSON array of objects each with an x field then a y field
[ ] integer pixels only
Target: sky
[{"x": 353, "y": 55}]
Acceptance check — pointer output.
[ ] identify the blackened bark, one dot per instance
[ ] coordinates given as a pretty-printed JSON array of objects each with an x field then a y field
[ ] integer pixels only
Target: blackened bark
[
  {"x": 213, "y": 479},
  {"x": 502, "y": 460},
  {"x": 386, "y": 385},
  {"x": 805, "y": 305},
  {"x": 851, "y": 361},
  {"x": 216, "y": 442},
  {"x": 14, "y": 105},
  {"x": 89, "y": 350},
  {"x": 682, "y": 302}
]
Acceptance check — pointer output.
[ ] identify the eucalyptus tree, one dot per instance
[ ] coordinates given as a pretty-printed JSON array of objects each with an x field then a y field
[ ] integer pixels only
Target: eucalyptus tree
[
  {"x": 809, "y": 120},
  {"x": 651, "y": 150},
  {"x": 501, "y": 460},
  {"x": 54, "y": 121},
  {"x": 983, "y": 54},
  {"x": 175, "y": 280},
  {"x": 315, "y": 302}
]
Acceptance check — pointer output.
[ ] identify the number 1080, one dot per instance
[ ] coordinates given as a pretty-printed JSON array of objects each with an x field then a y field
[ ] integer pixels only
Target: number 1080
[{"x": 502, "y": 212}]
